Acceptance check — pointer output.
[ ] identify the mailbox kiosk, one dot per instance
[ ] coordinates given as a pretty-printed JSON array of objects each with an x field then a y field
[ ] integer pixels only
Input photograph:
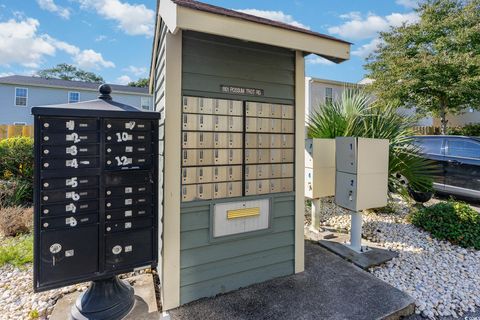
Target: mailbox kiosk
[
  {"x": 95, "y": 200},
  {"x": 230, "y": 88}
]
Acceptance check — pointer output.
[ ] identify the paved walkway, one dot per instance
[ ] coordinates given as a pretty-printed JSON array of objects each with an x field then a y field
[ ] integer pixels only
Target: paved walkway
[{"x": 330, "y": 288}]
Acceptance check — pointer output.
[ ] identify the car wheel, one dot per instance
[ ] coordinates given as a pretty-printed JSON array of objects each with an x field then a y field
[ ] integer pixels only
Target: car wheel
[{"x": 420, "y": 197}]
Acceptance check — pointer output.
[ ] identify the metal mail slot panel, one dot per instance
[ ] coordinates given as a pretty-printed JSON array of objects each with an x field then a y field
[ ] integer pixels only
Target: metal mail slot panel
[
  {"x": 127, "y": 178},
  {"x": 65, "y": 124},
  {"x": 131, "y": 201},
  {"x": 287, "y": 185},
  {"x": 287, "y": 140},
  {"x": 127, "y": 190},
  {"x": 220, "y": 190},
  {"x": 132, "y": 125},
  {"x": 129, "y": 224},
  {"x": 204, "y": 174},
  {"x": 235, "y": 124},
  {"x": 235, "y": 140},
  {"x": 263, "y": 171},
  {"x": 251, "y": 172},
  {"x": 128, "y": 213},
  {"x": 204, "y": 140},
  {"x": 275, "y": 141},
  {"x": 113, "y": 148},
  {"x": 263, "y": 124},
  {"x": 65, "y": 255},
  {"x": 251, "y": 156},
  {"x": 190, "y": 104},
  {"x": 250, "y": 187},
  {"x": 220, "y": 156},
  {"x": 128, "y": 249},
  {"x": 263, "y": 155},
  {"x": 275, "y": 185},
  {"x": 220, "y": 123},
  {"x": 276, "y": 171},
  {"x": 69, "y": 138},
  {"x": 69, "y": 208},
  {"x": 287, "y": 126},
  {"x": 62, "y": 195},
  {"x": 234, "y": 189},
  {"x": 74, "y": 163},
  {"x": 287, "y": 170},
  {"x": 126, "y": 137},
  {"x": 189, "y": 175},
  {"x": 234, "y": 173},
  {"x": 276, "y": 111},
  {"x": 276, "y": 125},
  {"x": 287, "y": 112},
  {"x": 250, "y": 124},
  {"x": 235, "y": 156},
  {"x": 205, "y": 105},
  {"x": 220, "y": 140},
  {"x": 189, "y": 157},
  {"x": 276, "y": 155},
  {"x": 205, "y": 157},
  {"x": 204, "y": 122},
  {"x": 69, "y": 151},
  {"x": 114, "y": 162},
  {"x": 69, "y": 221},
  {"x": 263, "y": 186},
  {"x": 189, "y": 122},
  {"x": 219, "y": 173},
  {"x": 69, "y": 183},
  {"x": 287, "y": 155}
]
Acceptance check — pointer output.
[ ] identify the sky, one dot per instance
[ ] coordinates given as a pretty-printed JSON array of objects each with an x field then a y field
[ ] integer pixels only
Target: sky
[{"x": 113, "y": 38}]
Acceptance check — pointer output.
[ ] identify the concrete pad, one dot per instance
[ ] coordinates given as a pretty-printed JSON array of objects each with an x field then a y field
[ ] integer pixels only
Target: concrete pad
[
  {"x": 145, "y": 307},
  {"x": 330, "y": 288}
]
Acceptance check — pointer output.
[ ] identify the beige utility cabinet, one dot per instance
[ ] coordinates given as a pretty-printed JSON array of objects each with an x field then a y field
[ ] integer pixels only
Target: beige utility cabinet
[
  {"x": 362, "y": 173},
  {"x": 319, "y": 168}
]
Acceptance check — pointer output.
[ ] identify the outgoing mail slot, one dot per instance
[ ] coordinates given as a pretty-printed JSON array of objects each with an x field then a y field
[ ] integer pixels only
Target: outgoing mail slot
[
  {"x": 251, "y": 109},
  {"x": 251, "y": 124},
  {"x": 189, "y": 192},
  {"x": 68, "y": 221},
  {"x": 263, "y": 125},
  {"x": 68, "y": 151},
  {"x": 70, "y": 195},
  {"x": 189, "y": 139},
  {"x": 276, "y": 111},
  {"x": 63, "y": 255},
  {"x": 287, "y": 155},
  {"x": 220, "y": 123},
  {"x": 128, "y": 190},
  {"x": 276, "y": 155},
  {"x": 220, "y": 190},
  {"x": 234, "y": 173},
  {"x": 251, "y": 140},
  {"x": 251, "y": 172},
  {"x": 205, "y": 105},
  {"x": 204, "y": 191},
  {"x": 287, "y": 112},
  {"x": 235, "y": 140},
  {"x": 287, "y": 126},
  {"x": 69, "y": 183},
  {"x": 220, "y": 140},
  {"x": 287, "y": 185},
  {"x": 220, "y": 156},
  {"x": 287, "y": 140},
  {"x": 234, "y": 189},
  {"x": 235, "y": 156},
  {"x": 128, "y": 248},
  {"x": 66, "y": 124},
  {"x": 235, "y": 124},
  {"x": 275, "y": 185},
  {"x": 287, "y": 170},
  {"x": 127, "y": 178},
  {"x": 189, "y": 157},
  {"x": 263, "y": 140},
  {"x": 189, "y": 175},
  {"x": 128, "y": 161},
  {"x": 128, "y": 213},
  {"x": 263, "y": 110},
  {"x": 276, "y": 125},
  {"x": 69, "y": 208},
  {"x": 263, "y": 155},
  {"x": 128, "y": 125},
  {"x": 251, "y": 156},
  {"x": 204, "y": 122},
  {"x": 69, "y": 138},
  {"x": 134, "y": 148},
  {"x": 73, "y": 163},
  {"x": 263, "y": 186},
  {"x": 235, "y": 108},
  {"x": 189, "y": 122},
  {"x": 129, "y": 201},
  {"x": 250, "y": 187},
  {"x": 275, "y": 171},
  {"x": 205, "y": 140},
  {"x": 190, "y": 104},
  {"x": 219, "y": 173},
  {"x": 275, "y": 141},
  {"x": 128, "y": 137},
  {"x": 128, "y": 224},
  {"x": 205, "y": 174},
  {"x": 263, "y": 171},
  {"x": 220, "y": 106}
]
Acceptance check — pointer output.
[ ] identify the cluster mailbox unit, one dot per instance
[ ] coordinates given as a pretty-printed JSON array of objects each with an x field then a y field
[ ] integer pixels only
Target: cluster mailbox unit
[{"x": 95, "y": 198}]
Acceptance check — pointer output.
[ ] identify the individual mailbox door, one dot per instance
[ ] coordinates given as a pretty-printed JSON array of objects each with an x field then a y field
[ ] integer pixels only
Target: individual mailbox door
[
  {"x": 69, "y": 138},
  {"x": 275, "y": 185},
  {"x": 287, "y": 185},
  {"x": 189, "y": 140},
  {"x": 205, "y": 174},
  {"x": 129, "y": 248},
  {"x": 346, "y": 154},
  {"x": 122, "y": 191},
  {"x": 130, "y": 201},
  {"x": 287, "y": 155},
  {"x": 121, "y": 214},
  {"x": 68, "y": 124},
  {"x": 234, "y": 173},
  {"x": 220, "y": 156},
  {"x": 205, "y": 140},
  {"x": 205, "y": 105},
  {"x": 276, "y": 111},
  {"x": 287, "y": 112},
  {"x": 69, "y": 151},
  {"x": 250, "y": 187},
  {"x": 113, "y": 179},
  {"x": 287, "y": 140},
  {"x": 263, "y": 125},
  {"x": 235, "y": 108},
  {"x": 68, "y": 195},
  {"x": 220, "y": 106},
  {"x": 129, "y": 224},
  {"x": 189, "y": 175},
  {"x": 204, "y": 122},
  {"x": 263, "y": 186},
  {"x": 287, "y": 170},
  {"x": 276, "y": 125},
  {"x": 126, "y": 137},
  {"x": 276, "y": 155},
  {"x": 235, "y": 124},
  {"x": 131, "y": 161},
  {"x": 69, "y": 182},
  {"x": 69, "y": 208},
  {"x": 125, "y": 124},
  {"x": 189, "y": 157},
  {"x": 220, "y": 123},
  {"x": 204, "y": 191},
  {"x": 205, "y": 157},
  {"x": 263, "y": 171},
  {"x": 251, "y": 156},
  {"x": 234, "y": 189},
  {"x": 263, "y": 110},
  {"x": 251, "y": 172},
  {"x": 189, "y": 192},
  {"x": 190, "y": 104},
  {"x": 263, "y": 155},
  {"x": 251, "y": 124},
  {"x": 219, "y": 173},
  {"x": 66, "y": 254},
  {"x": 287, "y": 126},
  {"x": 275, "y": 141},
  {"x": 235, "y": 140},
  {"x": 220, "y": 190},
  {"x": 346, "y": 190},
  {"x": 263, "y": 140},
  {"x": 72, "y": 163},
  {"x": 275, "y": 171},
  {"x": 235, "y": 156},
  {"x": 251, "y": 140},
  {"x": 220, "y": 140},
  {"x": 189, "y": 122},
  {"x": 73, "y": 221},
  {"x": 114, "y": 148},
  {"x": 251, "y": 109}
]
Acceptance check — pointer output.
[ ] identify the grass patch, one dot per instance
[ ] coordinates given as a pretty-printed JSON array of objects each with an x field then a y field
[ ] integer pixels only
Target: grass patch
[{"x": 17, "y": 251}]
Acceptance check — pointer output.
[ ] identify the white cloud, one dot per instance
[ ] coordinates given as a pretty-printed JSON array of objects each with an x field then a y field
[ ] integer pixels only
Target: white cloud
[
  {"x": 123, "y": 80},
  {"x": 133, "y": 19},
  {"x": 100, "y": 38},
  {"x": 363, "y": 28},
  {"x": 314, "y": 59},
  {"x": 365, "y": 50},
  {"x": 51, "y": 6},
  {"x": 407, "y": 3},
  {"x": 89, "y": 59},
  {"x": 274, "y": 15},
  {"x": 137, "y": 71}
]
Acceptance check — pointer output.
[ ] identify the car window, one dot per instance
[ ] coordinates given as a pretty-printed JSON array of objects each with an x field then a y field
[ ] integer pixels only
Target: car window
[
  {"x": 463, "y": 148},
  {"x": 430, "y": 146}
]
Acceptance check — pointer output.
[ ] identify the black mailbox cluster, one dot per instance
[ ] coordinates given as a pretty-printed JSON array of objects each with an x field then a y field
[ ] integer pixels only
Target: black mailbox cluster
[{"x": 95, "y": 191}]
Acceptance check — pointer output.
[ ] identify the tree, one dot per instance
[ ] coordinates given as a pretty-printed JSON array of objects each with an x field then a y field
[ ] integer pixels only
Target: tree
[
  {"x": 68, "y": 72},
  {"x": 142, "y": 82},
  {"x": 432, "y": 65}
]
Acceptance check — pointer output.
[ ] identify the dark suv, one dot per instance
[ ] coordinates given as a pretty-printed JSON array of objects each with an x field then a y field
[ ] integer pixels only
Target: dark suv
[{"x": 459, "y": 159}]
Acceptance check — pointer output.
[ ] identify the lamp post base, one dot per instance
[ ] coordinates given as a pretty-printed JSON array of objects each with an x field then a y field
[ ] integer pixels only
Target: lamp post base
[{"x": 110, "y": 299}]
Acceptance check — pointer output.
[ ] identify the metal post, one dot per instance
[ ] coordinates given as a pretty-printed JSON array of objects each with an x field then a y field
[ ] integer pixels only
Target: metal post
[
  {"x": 316, "y": 211},
  {"x": 356, "y": 231}
]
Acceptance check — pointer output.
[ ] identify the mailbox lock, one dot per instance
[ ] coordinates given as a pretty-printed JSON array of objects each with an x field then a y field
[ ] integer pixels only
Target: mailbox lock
[
  {"x": 109, "y": 126},
  {"x": 45, "y": 198},
  {"x": 55, "y": 248},
  {"x": 46, "y": 138},
  {"x": 109, "y": 204},
  {"x": 109, "y": 229},
  {"x": 45, "y": 225},
  {"x": 109, "y": 217},
  {"x": 117, "y": 249},
  {"x": 46, "y": 124},
  {"x": 109, "y": 192},
  {"x": 46, "y": 211},
  {"x": 46, "y": 151},
  {"x": 46, "y": 164},
  {"x": 46, "y": 184}
]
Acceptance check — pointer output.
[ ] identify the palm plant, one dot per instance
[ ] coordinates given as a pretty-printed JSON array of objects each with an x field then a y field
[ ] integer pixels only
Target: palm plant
[{"x": 355, "y": 114}]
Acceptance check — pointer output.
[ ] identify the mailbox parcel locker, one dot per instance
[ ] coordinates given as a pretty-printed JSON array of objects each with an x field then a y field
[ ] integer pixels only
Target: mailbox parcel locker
[
  {"x": 233, "y": 99},
  {"x": 319, "y": 168},
  {"x": 95, "y": 191}
]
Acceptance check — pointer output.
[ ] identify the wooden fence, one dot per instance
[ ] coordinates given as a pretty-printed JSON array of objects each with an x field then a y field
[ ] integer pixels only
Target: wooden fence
[
  {"x": 11, "y": 130},
  {"x": 426, "y": 130}
]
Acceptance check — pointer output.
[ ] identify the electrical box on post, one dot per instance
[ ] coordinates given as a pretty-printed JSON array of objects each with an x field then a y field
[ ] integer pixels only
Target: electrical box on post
[
  {"x": 319, "y": 168},
  {"x": 361, "y": 173}
]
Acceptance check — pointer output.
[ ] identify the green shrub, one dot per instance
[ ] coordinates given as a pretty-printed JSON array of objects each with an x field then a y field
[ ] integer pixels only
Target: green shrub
[
  {"x": 15, "y": 192},
  {"x": 454, "y": 221},
  {"x": 16, "y": 251},
  {"x": 16, "y": 158},
  {"x": 471, "y": 129}
]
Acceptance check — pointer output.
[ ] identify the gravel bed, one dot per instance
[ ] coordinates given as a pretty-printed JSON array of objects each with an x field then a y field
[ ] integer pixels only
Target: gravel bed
[{"x": 444, "y": 279}]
